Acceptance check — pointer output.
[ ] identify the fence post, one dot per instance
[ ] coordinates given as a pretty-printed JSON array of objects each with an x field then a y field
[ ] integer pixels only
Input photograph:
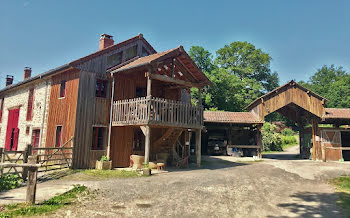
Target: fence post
[
  {"x": 27, "y": 152},
  {"x": 32, "y": 179},
  {"x": 2, "y": 160}
]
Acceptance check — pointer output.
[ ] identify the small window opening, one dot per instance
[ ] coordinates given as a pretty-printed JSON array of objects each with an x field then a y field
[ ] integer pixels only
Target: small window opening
[
  {"x": 63, "y": 89},
  {"x": 98, "y": 138},
  {"x": 58, "y": 136}
]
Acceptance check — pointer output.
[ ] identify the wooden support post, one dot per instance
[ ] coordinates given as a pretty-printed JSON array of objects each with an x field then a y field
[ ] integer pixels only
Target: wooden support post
[
  {"x": 28, "y": 152},
  {"x": 147, "y": 144},
  {"x": 110, "y": 121},
  {"x": 259, "y": 140},
  {"x": 314, "y": 133},
  {"x": 199, "y": 97},
  {"x": 301, "y": 140},
  {"x": 32, "y": 178},
  {"x": 198, "y": 146},
  {"x": 149, "y": 83},
  {"x": 2, "y": 156}
]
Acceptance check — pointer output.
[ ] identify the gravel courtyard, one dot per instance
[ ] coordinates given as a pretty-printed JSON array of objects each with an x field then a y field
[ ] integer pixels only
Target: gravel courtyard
[{"x": 222, "y": 188}]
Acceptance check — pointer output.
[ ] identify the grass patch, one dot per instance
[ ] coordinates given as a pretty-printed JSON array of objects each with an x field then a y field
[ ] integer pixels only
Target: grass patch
[
  {"x": 343, "y": 190},
  {"x": 101, "y": 174},
  {"x": 57, "y": 202}
]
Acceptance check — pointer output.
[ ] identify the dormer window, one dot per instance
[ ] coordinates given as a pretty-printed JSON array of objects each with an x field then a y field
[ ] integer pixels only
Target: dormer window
[
  {"x": 114, "y": 59},
  {"x": 131, "y": 52}
]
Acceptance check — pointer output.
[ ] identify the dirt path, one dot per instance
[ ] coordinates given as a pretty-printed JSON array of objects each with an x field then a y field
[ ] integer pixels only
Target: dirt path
[{"x": 223, "y": 189}]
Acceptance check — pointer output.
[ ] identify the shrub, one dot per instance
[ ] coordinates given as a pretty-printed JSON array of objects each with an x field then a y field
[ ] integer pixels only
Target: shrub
[
  {"x": 272, "y": 141},
  {"x": 288, "y": 139},
  {"x": 287, "y": 132},
  {"x": 10, "y": 181},
  {"x": 104, "y": 158}
]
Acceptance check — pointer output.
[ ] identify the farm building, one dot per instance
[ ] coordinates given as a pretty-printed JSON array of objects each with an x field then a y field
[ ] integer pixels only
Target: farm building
[
  {"x": 147, "y": 91},
  {"x": 227, "y": 131},
  {"x": 241, "y": 130}
]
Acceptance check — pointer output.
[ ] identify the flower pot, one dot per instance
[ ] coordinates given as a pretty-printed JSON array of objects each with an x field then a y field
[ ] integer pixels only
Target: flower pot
[
  {"x": 147, "y": 171},
  {"x": 103, "y": 165}
]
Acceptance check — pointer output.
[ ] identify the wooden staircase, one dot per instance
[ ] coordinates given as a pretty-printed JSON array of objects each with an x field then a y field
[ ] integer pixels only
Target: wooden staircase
[{"x": 165, "y": 144}]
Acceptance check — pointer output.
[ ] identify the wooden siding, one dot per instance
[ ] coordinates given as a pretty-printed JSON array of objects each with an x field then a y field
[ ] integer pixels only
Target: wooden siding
[
  {"x": 62, "y": 111},
  {"x": 99, "y": 64},
  {"x": 289, "y": 95}
]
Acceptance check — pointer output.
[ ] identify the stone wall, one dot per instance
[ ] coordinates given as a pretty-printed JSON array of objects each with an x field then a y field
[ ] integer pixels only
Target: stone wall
[{"x": 18, "y": 97}]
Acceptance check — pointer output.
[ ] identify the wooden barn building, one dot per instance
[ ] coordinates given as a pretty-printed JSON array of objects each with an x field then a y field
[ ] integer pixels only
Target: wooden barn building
[
  {"x": 242, "y": 130},
  {"x": 149, "y": 94}
]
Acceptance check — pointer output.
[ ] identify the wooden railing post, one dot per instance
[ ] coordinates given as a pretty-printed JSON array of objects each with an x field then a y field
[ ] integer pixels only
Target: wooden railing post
[{"x": 32, "y": 179}]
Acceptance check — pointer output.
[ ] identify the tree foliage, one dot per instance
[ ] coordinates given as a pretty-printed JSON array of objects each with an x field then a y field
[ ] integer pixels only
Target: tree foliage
[
  {"x": 240, "y": 73},
  {"x": 332, "y": 83}
]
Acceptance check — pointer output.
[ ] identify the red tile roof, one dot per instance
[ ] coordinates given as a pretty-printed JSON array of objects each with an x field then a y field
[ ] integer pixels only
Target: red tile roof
[
  {"x": 337, "y": 113},
  {"x": 231, "y": 117}
]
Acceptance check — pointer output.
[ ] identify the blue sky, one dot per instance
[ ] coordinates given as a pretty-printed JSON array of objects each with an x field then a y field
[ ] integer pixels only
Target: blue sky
[{"x": 300, "y": 36}]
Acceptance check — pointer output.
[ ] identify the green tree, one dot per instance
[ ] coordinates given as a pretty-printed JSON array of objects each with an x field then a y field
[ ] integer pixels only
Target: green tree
[
  {"x": 202, "y": 58},
  {"x": 332, "y": 83},
  {"x": 236, "y": 83},
  {"x": 245, "y": 61}
]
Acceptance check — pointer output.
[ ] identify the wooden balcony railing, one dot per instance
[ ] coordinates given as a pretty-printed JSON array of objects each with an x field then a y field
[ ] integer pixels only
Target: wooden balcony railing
[{"x": 156, "y": 111}]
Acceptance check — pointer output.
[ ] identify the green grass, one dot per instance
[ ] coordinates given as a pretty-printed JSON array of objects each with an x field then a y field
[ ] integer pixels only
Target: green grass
[
  {"x": 343, "y": 191},
  {"x": 55, "y": 203},
  {"x": 101, "y": 174}
]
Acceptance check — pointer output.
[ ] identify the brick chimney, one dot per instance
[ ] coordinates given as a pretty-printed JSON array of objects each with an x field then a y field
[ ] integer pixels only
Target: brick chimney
[
  {"x": 9, "y": 80},
  {"x": 105, "y": 41},
  {"x": 27, "y": 73}
]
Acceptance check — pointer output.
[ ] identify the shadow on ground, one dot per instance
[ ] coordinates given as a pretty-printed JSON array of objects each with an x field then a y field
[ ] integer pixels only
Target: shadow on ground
[
  {"x": 281, "y": 156},
  {"x": 211, "y": 163},
  {"x": 317, "y": 205}
]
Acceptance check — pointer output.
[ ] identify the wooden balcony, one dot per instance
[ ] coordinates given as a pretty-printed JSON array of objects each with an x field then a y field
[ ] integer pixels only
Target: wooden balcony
[{"x": 156, "y": 111}]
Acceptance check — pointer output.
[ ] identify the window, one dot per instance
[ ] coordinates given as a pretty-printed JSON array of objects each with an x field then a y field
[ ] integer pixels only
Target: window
[
  {"x": 144, "y": 52},
  {"x": 30, "y": 104},
  {"x": 101, "y": 88},
  {"x": 27, "y": 130},
  {"x": 114, "y": 59},
  {"x": 98, "y": 138},
  {"x": 1, "y": 108},
  {"x": 63, "y": 89},
  {"x": 131, "y": 52},
  {"x": 140, "y": 92},
  {"x": 58, "y": 136},
  {"x": 35, "y": 138}
]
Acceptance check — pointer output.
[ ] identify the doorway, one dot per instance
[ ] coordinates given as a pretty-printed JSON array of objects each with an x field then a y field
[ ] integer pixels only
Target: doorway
[
  {"x": 345, "y": 142},
  {"x": 12, "y": 131}
]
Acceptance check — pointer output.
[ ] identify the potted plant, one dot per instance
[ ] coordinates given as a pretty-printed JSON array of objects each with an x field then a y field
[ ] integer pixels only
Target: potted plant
[
  {"x": 147, "y": 170},
  {"x": 104, "y": 163}
]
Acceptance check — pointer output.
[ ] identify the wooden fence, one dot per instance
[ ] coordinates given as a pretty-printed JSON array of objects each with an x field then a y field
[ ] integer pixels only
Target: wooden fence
[
  {"x": 54, "y": 158},
  {"x": 14, "y": 157},
  {"x": 157, "y": 111}
]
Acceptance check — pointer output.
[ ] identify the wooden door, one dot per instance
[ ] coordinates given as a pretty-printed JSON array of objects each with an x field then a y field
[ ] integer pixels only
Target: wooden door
[
  {"x": 12, "y": 131},
  {"x": 331, "y": 138},
  {"x": 121, "y": 146}
]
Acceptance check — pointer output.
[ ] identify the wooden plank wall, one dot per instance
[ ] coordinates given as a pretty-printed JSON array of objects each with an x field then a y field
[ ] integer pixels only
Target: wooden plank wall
[
  {"x": 291, "y": 94},
  {"x": 84, "y": 121},
  {"x": 62, "y": 111},
  {"x": 99, "y": 64}
]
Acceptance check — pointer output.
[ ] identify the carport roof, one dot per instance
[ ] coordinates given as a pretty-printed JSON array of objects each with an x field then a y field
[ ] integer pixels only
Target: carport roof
[
  {"x": 231, "y": 117},
  {"x": 337, "y": 113}
]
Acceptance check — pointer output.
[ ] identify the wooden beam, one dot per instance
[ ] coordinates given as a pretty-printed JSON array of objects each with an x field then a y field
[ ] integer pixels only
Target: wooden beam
[
  {"x": 188, "y": 70},
  {"x": 314, "y": 132},
  {"x": 173, "y": 80},
  {"x": 149, "y": 82},
  {"x": 198, "y": 147},
  {"x": 147, "y": 144}
]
